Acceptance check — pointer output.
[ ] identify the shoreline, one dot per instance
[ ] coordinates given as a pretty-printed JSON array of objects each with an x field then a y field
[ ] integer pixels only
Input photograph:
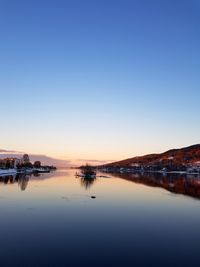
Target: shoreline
[
  {"x": 149, "y": 171},
  {"x": 4, "y": 172}
]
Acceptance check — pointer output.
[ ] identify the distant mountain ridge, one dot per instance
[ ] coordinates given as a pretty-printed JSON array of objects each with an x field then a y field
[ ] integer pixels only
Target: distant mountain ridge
[{"x": 175, "y": 157}]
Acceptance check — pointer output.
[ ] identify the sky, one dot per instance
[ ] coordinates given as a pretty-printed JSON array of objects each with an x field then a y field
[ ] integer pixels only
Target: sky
[{"x": 105, "y": 80}]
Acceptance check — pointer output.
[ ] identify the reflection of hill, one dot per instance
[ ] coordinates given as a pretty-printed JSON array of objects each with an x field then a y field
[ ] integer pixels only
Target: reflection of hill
[{"x": 176, "y": 183}]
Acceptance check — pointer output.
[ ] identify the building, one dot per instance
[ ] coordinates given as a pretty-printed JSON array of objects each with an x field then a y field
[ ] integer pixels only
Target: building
[{"x": 10, "y": 163}]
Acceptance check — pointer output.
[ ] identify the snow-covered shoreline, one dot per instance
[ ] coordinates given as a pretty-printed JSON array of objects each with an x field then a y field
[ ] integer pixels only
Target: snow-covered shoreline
[
  {"x": 8, "y": 172},
  {"x": 14, "y": 171}
]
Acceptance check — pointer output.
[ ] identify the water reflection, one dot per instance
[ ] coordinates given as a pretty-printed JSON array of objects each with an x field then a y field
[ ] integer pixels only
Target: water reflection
[
  {"x": 21, "y": 179},
  {"x": 23, "y": 182},
  {"x": 87, "y": 182},
  {"x": 128, "y": 224},
  {"x": 174, "y": 182},
  {"x": 10, "y": 179}
]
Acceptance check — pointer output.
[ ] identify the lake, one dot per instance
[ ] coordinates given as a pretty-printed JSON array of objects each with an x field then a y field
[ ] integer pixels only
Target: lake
[{"x": 135, "y": 220}]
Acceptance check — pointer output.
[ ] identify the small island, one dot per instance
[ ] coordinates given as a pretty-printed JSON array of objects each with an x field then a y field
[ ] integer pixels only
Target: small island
[{"x": 87, "y": 171}]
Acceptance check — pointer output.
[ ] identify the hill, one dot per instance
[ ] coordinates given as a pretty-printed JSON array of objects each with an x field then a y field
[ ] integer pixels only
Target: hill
[{"x": 174, "y": 159}]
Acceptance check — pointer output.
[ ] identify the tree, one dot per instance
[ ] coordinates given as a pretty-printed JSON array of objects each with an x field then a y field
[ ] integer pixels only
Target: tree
[
  {"x": 26, "y": 158},
  {"x": 37, "y": 164}
]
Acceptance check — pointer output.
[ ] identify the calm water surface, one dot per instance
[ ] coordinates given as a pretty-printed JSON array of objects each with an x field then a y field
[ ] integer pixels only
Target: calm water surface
[{"x": 51, "y": 220}]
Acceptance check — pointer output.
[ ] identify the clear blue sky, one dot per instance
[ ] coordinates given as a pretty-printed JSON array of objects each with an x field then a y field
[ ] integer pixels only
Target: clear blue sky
[{"x": 99, "y": 79}]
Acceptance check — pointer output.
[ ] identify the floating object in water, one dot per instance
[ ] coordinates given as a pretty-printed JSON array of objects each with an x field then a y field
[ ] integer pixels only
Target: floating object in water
[
  {"x": 93, "y": 197},
  {"x": 102, "y": 176},
  {"x": 88, "y": 171}
]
